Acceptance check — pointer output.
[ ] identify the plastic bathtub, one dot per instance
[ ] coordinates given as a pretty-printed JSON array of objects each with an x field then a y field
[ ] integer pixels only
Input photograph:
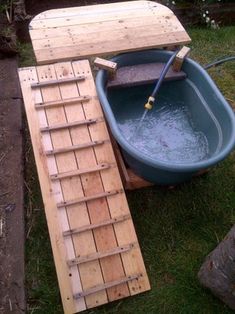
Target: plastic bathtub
[{"x": 210, "y": 112}]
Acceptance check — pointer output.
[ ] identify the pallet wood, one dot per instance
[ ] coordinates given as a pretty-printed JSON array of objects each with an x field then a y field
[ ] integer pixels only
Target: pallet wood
[
  {"x": 179, "y": 59},
  {"x": 142, "y": 74},
  {"x": 110, "y": 66},
  {"x": 97, "y": 30},
  {"x": 116, "y": 275}
]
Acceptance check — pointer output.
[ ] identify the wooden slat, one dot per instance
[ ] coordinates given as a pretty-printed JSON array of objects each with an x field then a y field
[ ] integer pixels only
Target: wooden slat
[
  {"x": 107, "y": 286},
  {"x": 73, "y": 148},
  {"x": 106, "y": 65},
  {"x": 125, "y": 232},
  {"x": 77, "y": 51},
  {"x": 58, "y": 103},
  {"x": 179, "y": 59},
  {"x": 112, "y": 37},
  {"x": 95, "y": 17},
  {"x": 83, "y": 243},
  {"x": 92, "y": 184},
  {"x": 69, "y": 125},
  {"x": 133, "y": 22},
  {"x": 104, "y": 29},
  {"x": 89, "y": 198},
  {"x": 97, "y": 9},
  {"x": 79, "y": 172},
  {"x": 68, "y": 284},
  {"x": 99, "y": 255},
  {"x": 98, "y": 225},
  {"x": 56, "y": 82}
]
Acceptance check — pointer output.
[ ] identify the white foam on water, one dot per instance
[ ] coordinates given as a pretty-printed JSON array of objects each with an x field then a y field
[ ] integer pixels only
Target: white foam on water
[{"x": 167, "y": 134}]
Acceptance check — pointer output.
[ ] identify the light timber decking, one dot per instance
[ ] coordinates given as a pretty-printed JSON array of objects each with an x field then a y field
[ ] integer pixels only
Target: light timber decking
[
  {"x": 75, "y": 33},
  {"x": 95, "y": 248}
]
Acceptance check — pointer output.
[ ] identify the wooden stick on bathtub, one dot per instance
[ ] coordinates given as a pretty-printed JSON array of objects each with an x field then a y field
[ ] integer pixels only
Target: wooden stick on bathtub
[
  {"x": 110, "y": 66},
  {"x": 179, "y": 59}
]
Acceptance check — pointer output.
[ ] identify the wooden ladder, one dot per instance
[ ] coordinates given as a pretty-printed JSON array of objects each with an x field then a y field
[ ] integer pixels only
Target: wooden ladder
[{"x": 95, "y": 248}]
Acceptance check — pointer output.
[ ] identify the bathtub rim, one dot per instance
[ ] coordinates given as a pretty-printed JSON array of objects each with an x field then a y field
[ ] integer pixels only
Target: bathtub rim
[{"x": 101, "y": 79}]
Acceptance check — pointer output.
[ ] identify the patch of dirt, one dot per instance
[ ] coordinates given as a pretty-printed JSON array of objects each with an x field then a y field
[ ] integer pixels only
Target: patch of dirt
[
  {"x": 11, "y": 178},
  {"x": 8, "y": 45}
]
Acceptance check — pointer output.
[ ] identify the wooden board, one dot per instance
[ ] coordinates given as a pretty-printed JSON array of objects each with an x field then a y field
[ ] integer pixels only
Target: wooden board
[
  {"x": 130, "y": 180},
  {"x": 95, "y": 248},
  {"x": 142, "y": 74},
  {"x": 72, "y": 33}
]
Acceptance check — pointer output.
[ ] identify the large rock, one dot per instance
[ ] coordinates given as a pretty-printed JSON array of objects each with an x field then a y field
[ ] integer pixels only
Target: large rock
[{"x": 218, "y": 271}]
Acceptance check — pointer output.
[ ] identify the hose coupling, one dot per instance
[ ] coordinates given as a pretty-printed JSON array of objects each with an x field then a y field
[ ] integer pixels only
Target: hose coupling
[{"x": 149, "y": 104}]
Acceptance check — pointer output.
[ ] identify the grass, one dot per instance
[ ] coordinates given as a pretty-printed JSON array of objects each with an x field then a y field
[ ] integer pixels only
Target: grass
[{"x": 176, "y": 228}]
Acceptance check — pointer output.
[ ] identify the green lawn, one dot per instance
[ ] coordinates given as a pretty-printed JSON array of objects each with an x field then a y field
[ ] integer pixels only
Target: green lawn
[{"x": 176, "y": 228}]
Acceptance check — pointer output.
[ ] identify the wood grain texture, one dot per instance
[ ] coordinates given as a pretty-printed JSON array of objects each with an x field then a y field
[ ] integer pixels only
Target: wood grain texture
[
  {"x": 94, "y": 237},
  {"x": 103, "y": 29}
]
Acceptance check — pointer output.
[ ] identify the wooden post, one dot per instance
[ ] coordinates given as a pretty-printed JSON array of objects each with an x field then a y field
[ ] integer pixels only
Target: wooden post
[
  {"x": 110, "y": 66},
  {"x": 179, "y": 59}
]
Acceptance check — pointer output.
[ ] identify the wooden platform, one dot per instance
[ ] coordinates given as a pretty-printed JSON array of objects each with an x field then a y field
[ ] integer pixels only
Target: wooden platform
[
  {"x": 72, "y": 33},
  {"x": 142, "y": 74},
  {"x": 95, "y": 248}
]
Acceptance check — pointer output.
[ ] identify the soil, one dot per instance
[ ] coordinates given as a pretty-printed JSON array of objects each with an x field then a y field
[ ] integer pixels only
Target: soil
[{"x": 12, "y": 299}]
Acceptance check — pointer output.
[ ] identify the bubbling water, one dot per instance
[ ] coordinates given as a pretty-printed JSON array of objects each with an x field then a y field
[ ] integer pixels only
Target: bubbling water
[{"x": 167, "y": 134}]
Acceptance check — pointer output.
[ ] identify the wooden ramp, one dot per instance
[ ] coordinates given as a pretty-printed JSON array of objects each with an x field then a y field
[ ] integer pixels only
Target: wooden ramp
[
  {"x": 97, "y": 30},
  {"x": 95, "y": 248}
]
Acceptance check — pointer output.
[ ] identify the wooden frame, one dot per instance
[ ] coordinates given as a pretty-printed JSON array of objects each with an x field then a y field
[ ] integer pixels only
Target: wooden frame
[{"x": 93, "y": 220}]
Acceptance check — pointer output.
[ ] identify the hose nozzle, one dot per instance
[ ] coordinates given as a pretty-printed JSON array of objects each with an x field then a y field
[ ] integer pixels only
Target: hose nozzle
[{"x": 149, "y": 104}]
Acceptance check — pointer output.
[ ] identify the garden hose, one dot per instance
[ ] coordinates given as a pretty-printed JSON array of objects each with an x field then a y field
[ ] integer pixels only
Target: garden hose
[
  {"x": 218, "y": 62},
  {"x": 151, "y": 99}
]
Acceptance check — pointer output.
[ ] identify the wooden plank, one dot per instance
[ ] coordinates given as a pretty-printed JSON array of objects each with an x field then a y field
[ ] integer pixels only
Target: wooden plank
[
  {"x": 133, "y": 263},
  {"x": 99, "y": 9},
  {"x": 97, "y": 37},
  {"x": 135, "y": 37},
  {"x": 90, "y": 273},
  {"x": 92, "y": 185},
  {"x": 73, "y": 173},
  {"x": 142, "y": 74},
  {"x": 179, "y": 59},
  {"x": 73, "y": 148},
  {"x": 106, "y": 65},
  {"x": 130, "y": 21},
  {"x": 55, "y": 82},
  {"x": 114, "y": 47},
  {"x": 69, "y": 125},
  {"x": 98, "y": 225},
  {"x": 101, "y": 229},
  {"x": 99, "y": 255},
  {"x": 68, "y": 284},
  {"x": 89, "y": 198},
  {"x": 57, "y": 103},
  {"x": 94, "y": 17},
  {"x": 107, "y": 285},
  {"x": 75, "y": 32}
]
